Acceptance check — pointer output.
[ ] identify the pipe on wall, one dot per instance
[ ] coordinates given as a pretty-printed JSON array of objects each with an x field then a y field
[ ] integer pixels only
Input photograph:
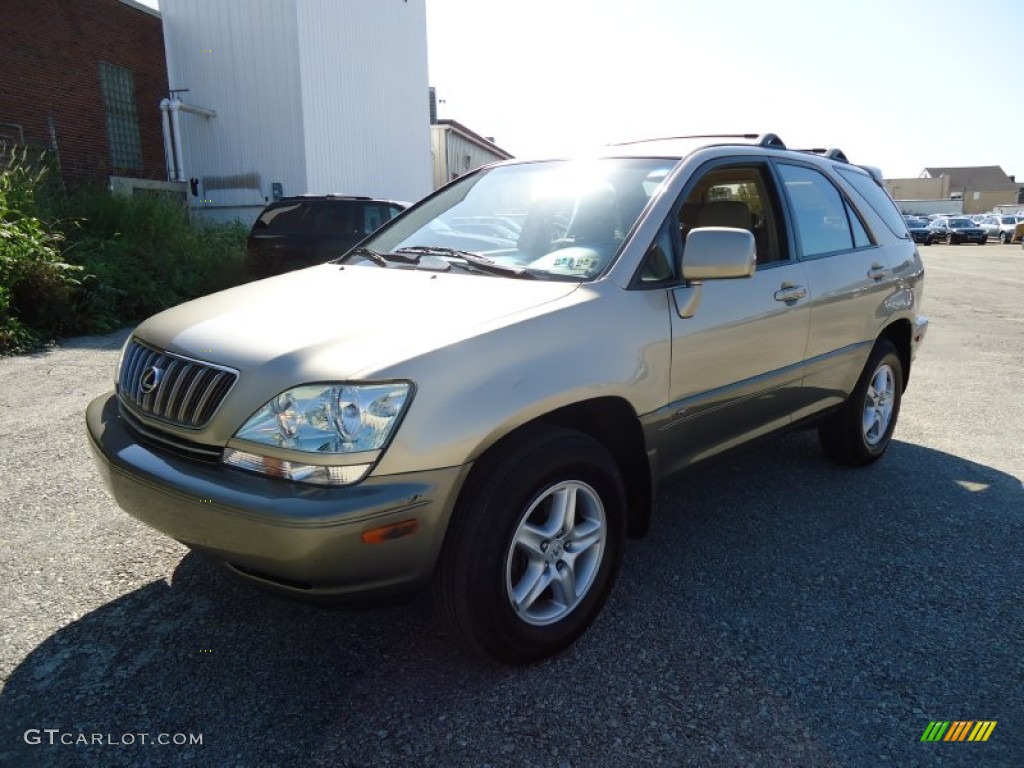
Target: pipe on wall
[{"x": 173, "y": 153}]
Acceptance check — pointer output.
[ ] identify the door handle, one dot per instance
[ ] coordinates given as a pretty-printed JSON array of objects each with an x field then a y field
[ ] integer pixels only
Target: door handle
[
  {"x": 877, "y": 272},
  {"x": 789, "y": 293}
]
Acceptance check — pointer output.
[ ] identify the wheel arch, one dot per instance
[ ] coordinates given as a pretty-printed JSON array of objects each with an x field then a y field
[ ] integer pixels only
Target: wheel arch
[
  {"x": 899, "y": 333},
  {"x": 612, "y": 422}
]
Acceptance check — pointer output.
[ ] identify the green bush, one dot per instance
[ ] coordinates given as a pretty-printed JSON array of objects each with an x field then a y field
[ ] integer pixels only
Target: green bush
[
  {"x": 91, "y": 262},
  {"x": 36, "y": 285},
  {"x": 141, "y": 254}
]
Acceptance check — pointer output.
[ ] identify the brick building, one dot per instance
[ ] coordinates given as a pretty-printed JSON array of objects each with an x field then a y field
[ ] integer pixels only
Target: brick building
[{"x": 84, "y": 78}]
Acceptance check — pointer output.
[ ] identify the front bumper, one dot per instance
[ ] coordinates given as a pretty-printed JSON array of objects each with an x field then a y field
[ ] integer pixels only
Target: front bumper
[{"x": 294, "y": 538}]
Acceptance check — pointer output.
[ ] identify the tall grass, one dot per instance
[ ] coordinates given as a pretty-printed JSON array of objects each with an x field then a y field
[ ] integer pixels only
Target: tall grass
[
  {"x": 36, "y": 284},
  {"x": 141, "y": 254},
  {"x": 90, "y": 262}
]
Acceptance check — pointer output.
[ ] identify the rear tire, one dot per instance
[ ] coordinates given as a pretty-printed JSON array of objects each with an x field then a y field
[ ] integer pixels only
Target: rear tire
[
  {"x": 533, "y": 546},
  {"x": 860, "y": 431}
]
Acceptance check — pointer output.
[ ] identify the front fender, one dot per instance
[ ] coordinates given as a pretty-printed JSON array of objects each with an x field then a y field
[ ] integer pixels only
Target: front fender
[{"x": 601, "y": 341}]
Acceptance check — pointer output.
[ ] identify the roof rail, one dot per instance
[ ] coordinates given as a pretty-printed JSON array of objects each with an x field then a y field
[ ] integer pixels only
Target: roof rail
[
  {"x": 832, "y": 154},
  {"x": 769, "y": 140}
]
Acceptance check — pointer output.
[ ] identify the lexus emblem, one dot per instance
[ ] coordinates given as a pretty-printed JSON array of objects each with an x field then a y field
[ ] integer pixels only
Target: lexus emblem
[{"x": 150, "y": 379}]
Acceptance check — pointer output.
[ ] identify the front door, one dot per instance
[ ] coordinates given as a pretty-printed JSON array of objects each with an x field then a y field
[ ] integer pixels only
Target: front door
[{"x": 737, "y": 356}]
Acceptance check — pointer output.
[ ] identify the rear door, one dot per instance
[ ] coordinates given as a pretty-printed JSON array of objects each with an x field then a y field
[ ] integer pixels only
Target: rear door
[{"x": 849, "y": 279}]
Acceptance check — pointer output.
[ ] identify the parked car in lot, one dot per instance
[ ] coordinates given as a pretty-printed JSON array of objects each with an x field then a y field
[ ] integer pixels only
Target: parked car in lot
[
  {"x": 301, "y": 231},
  {"x": 956, "y": 230},
  {"x": 920, "y": 231},
  {"x": 999, "y": 226},
  {"x": 494, "y": 416}
]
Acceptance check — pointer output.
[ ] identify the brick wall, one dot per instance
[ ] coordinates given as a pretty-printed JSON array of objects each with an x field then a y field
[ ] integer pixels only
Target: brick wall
[{"x": 49, "y": 68}]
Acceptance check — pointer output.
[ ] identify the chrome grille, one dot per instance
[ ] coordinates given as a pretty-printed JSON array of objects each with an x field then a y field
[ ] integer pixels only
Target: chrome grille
[{"x": 172, "y": 388}]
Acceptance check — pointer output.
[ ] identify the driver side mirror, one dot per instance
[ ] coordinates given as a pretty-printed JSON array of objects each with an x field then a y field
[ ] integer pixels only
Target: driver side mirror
[
  {"x": 712, "y": 253},
  {"x": 718, "y": 253}
]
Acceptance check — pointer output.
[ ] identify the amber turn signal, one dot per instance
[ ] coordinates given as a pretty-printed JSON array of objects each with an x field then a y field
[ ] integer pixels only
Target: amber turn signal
[{"x": 391, "y": 532}]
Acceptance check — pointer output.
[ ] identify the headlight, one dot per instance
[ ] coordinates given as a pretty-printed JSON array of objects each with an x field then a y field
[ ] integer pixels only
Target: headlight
[{"x": 322, "y": 419}]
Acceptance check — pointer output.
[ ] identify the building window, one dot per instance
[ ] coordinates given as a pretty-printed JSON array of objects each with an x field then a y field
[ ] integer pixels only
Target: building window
[{"x": 118, "y": 86}]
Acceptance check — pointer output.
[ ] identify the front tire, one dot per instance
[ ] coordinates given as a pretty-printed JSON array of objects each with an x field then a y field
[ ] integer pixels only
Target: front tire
[
  {"x": 1003, "y": 238},
  {"x": 860, "y": 431},
  {"x": 533, "y": 546}
]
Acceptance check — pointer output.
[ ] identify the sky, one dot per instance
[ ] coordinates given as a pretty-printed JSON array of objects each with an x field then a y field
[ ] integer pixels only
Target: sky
[{"x": 899, "y": 84}]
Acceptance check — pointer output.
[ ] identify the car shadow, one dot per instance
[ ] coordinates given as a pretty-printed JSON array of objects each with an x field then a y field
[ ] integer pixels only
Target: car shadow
[{"x": 781, "y": 611}]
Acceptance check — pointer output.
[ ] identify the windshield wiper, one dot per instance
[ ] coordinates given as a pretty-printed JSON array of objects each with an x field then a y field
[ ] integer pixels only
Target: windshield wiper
[
  {"x": 482, "y": 263},
  {"x": 383, "y": 259},
  {"x": 413, "y": 259}
]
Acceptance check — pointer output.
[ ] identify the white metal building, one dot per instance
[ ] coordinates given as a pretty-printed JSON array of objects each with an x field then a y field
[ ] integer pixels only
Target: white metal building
[
  {"x": 288, "y": 97},
  {"x": 457, "y": 150}
]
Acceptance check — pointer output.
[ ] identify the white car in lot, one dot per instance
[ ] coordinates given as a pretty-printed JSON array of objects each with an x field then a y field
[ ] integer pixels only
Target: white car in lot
[{"x": 1000, "y": 226}]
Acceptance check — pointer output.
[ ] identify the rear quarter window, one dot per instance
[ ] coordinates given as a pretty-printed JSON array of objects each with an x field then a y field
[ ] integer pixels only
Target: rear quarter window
[
  {"x": 876, "y": 197},
  {"x": 282, "y": 217}
]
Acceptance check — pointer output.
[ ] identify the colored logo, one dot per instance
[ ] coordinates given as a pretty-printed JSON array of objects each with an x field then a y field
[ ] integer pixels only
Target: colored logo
[{"x": 959, "y": 730}]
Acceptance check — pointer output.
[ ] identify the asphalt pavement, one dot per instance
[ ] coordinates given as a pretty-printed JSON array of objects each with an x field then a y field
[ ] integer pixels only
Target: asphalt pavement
[{"x": 782, "y": 612}]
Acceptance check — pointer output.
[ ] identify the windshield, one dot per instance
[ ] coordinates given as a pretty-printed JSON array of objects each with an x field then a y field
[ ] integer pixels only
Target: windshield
[
  {"x": 917, "y": 223},
  {"x": 559, "y": 219},
  {"x": 961, "y": 223}
]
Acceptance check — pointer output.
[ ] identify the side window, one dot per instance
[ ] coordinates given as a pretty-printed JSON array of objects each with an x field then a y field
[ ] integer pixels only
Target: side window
[
  {"x": 877, "y": 198},
  {"x": 374, "y": 215},
  {"x": 741, "y": 197},
  {"x": 819, "y": 211},
  {"x": 659, "y": 265},
  {"x": 861, "y": 238}
]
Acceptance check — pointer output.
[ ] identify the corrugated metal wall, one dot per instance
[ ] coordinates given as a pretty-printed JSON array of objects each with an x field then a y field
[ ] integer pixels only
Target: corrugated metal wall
[
  {"x": 320, "y": 95},
  {"x": 439, "y": 154},
  {"x": 455, "y": 155},
  {"x": 365, "y": 96},
  {"x": 238, "y": 57}
]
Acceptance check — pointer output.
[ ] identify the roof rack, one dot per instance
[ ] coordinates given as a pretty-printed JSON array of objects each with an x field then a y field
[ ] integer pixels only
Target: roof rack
[
  {"x": 769, "y": 140},
  {"x": 832, "y": 154}
]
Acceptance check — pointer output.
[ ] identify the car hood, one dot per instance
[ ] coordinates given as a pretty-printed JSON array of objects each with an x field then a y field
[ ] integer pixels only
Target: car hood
[{"x": 332, "y": 322}]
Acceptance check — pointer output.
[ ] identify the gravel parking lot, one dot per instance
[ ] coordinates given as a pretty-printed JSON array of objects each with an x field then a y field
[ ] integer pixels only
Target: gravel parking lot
[{"x": 782, "y": 612}]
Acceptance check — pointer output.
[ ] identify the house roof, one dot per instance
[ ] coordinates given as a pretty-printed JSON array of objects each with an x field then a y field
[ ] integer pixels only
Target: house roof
[
  {"x": 986, "y": 178},
  {"x": 475, "y": 137}
]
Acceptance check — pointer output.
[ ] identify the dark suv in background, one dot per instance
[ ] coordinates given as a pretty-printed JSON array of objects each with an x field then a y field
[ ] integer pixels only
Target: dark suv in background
[{"x": 302, "y": 231}]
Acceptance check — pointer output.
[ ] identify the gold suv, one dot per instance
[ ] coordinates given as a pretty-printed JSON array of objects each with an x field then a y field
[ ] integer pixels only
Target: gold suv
[{"x": 485, "y": 394}]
